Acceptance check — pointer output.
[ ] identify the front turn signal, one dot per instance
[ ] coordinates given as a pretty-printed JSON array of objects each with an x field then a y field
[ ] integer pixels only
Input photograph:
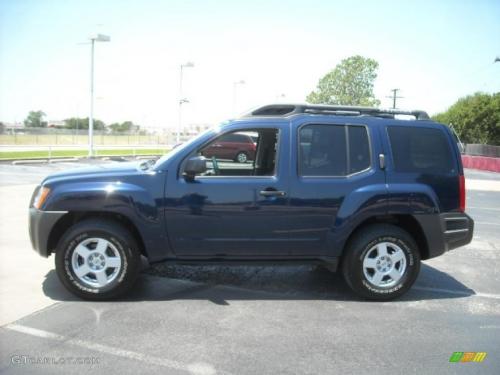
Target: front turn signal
[{"x": 41, "y": 197}]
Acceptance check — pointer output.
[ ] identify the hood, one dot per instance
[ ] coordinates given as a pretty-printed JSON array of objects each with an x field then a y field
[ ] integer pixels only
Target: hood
[{"x": 111, "y": 170}]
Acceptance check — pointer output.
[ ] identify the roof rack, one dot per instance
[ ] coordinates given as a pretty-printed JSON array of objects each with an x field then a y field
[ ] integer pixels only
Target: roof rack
[{"x": 285, "y": 110}]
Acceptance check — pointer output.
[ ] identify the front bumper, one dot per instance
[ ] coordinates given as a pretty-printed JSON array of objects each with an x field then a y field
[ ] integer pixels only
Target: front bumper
[
  {"x": 41, "y": 224},
  {"x": 445, "y": 232}
]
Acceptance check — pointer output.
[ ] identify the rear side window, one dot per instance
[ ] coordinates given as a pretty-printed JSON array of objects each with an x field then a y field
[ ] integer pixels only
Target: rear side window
[
  {"x": 421, "y": 150},
  {"x": 333, "y": 150},
  {"x": 359, "y": 149}
]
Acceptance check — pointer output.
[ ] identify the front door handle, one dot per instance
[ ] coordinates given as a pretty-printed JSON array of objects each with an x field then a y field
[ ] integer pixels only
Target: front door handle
[{"x": 272, "y": 193}]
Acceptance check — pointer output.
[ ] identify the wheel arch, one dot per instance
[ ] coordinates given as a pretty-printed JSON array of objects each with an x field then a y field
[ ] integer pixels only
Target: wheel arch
[
  {"x": 71, "y": 218},
  {"x": 405, "y": 221}
]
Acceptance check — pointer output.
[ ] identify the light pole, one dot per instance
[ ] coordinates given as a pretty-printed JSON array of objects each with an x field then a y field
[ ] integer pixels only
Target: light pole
[
  {"x": 280, "y": 97},
  {"x": 93, "y": 39},
  {"x": 182, "y": 100},
  {"x": 235, "y": 86}
]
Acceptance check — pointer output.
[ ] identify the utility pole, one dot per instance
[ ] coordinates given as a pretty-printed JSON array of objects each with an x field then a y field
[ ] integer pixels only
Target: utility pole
[{"x": 394, "y": 96}]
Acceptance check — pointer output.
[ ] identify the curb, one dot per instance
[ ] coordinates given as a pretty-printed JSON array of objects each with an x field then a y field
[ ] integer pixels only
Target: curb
[
  {"x": 62, "y": 159},
  {"x": 39, "y": 161}
]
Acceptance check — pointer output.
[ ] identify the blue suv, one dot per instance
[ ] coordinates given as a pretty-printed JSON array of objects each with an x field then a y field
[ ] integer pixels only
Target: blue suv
[{"x": 351, "y": 188}]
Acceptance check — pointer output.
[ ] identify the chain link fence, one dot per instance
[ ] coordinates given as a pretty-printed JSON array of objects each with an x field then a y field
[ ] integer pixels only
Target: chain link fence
[
  {"x": 482, "y": 150},
  {"x": 74, "y": 137}
]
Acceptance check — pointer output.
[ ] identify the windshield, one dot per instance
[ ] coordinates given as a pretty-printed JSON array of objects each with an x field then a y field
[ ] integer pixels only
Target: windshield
[{"x": 184, "y": 145}]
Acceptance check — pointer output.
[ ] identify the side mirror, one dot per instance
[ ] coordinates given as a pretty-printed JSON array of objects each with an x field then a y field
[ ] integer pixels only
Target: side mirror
[{"x": 195, "y": 165}]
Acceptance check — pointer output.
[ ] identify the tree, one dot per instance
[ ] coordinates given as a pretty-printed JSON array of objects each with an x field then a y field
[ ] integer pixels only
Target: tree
[
  {"x": 124, "y": 127},
  {"x": 475, "y": 118},
  {"x": 2, "y": 128},
  {"x": 349, "y": 83},
  {"x": 35, "y": 120},
  {"x": 83, "y": 123}
]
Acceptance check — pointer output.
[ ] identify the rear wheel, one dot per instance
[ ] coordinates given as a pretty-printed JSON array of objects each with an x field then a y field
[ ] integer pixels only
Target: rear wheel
[
  {"x": 241, "y": 157},
  {"x": 381, "y": 262},
  {"x": 97, "y": 260}
]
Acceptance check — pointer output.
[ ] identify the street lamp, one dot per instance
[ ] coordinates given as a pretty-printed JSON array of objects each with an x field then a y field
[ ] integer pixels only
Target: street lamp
[
  {"x": 280, "y": 97},
  {"x": 235, "y": 84},
  {"x": 93, "y": 39},
  {"x": 182, "y": 100}
]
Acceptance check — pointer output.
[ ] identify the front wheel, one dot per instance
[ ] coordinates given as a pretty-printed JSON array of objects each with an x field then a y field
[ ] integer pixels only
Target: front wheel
[
  {"x": 97, "y": 260},
  {"x": 381, "y": 262}
]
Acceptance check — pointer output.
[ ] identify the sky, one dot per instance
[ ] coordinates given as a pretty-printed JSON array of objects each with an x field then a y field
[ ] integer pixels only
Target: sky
[{"x": 433, "y": 51}]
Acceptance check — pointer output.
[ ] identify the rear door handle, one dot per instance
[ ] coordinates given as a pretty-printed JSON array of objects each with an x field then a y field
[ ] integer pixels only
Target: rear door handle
[
  {"x": 272, "y": 193},
  {"x": 381, "y": 160}
]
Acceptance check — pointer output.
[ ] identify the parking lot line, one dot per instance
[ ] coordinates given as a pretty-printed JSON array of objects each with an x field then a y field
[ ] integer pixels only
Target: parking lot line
[
  {"x": 486, "y": 223},
  {"x": 457, "y": 292},
  {"x": 197, "y": 368},
  {"x": 483, "y": 208}
]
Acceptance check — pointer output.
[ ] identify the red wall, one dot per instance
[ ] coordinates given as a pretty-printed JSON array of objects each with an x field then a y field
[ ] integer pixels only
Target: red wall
[{"x": 481, "y": 162}]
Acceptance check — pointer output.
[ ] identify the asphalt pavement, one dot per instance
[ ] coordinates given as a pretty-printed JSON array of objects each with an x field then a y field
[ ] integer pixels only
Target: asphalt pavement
[{"x": 249, "y": 320}]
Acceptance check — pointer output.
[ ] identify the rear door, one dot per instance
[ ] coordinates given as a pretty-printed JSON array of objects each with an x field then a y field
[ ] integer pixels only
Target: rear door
[{"x": 331, "y": 160}]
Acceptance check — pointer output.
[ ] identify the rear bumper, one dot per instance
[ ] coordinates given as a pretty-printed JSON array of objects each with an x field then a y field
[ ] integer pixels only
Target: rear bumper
[
  {"x": 445, "y": 232},
  {"x": 458, "y": 230},
  {"x": 40, "y": 226}
]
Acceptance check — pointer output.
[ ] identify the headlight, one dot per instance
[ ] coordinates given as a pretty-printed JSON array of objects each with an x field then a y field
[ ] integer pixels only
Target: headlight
[{"x": 41, "y": 197}]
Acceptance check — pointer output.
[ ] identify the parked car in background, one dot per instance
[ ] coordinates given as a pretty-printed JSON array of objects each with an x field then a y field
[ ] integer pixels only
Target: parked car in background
[{"x": 238, "y": 147}]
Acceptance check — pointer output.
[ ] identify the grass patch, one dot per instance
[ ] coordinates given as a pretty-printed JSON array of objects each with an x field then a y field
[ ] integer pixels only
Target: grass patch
[{"x": 78, "y": 153}]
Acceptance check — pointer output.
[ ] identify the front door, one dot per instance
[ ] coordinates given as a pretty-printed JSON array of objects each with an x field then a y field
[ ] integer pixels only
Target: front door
[{"x": 234, "y": 209}]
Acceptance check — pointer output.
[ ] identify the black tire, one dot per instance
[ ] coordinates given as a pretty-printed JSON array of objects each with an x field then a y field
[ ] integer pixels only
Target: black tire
[
  {"x": 363, "y": 242},
  {"x": 121, "y": 241},
  {"x": 237, "y": 158}
]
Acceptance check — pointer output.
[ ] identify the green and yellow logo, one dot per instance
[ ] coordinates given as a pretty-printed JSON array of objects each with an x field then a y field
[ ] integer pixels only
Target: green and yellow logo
[{"x": 468, "y": 356}]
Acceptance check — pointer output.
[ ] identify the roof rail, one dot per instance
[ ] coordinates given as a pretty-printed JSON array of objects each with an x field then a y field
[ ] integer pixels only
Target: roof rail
[{"x": 341, "y": 110}]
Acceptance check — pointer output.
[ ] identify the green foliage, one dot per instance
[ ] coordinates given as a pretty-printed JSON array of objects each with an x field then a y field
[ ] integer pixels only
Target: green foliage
[
  {"x": 475, "y": 118},
  {"x": 35, "y": 120},
  {"x": 83, "y": 123},
  {"x": 2, "y": 128},
  {"x": 124, "y": 127},
  {"x": 349, "y": 83}
]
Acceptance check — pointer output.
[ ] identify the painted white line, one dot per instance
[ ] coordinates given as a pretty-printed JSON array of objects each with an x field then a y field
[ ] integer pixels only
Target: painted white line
[
  {"x": 41, "y": 174},
  {"x": 457, "y": 292},
  {"x": 195, "y": 368},
  {"x": 487, "y": 295},
  {"x": 482, "y": 185},
  {"x": 482, "y": 208},
  {"x": 485, "y": 223}
]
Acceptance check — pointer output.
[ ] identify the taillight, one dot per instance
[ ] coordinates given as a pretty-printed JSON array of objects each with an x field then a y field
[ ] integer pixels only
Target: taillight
[{"x": 461, "y": 187}]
